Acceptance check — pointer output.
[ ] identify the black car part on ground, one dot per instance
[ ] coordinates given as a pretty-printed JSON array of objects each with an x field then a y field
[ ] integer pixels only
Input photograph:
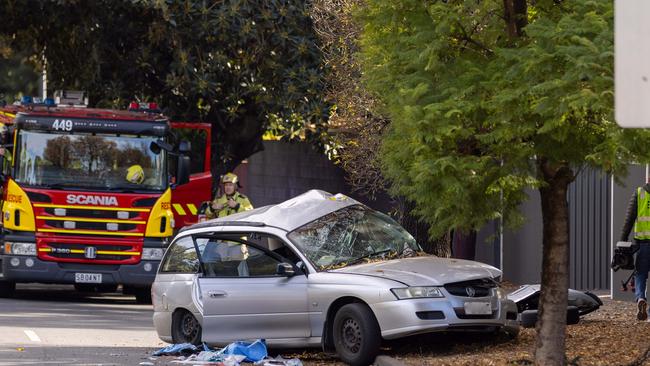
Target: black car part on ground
[
  {"x": 528, "y": 318},
  {"x": 527, "y": 300}
]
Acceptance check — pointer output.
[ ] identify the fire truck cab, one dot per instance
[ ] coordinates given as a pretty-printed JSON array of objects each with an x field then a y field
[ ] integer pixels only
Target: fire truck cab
[{"x": 91, "y": 197}]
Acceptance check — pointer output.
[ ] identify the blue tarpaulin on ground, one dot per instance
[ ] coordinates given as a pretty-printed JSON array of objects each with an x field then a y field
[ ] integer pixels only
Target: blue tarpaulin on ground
[
  {"x": 254, "y": 352},
  {"x": 183, "y": 349}
]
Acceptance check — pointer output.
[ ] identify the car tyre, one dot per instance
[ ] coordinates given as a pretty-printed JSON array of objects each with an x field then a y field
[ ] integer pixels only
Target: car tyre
[
  {"x": 357, "y": 336},
  {"x": 185, "y": 328},
  {"x": 7, "y": 289}
]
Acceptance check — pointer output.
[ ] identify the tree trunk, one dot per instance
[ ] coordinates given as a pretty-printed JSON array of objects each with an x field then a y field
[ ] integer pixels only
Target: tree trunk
[
  {"x": 551, "y": 326},
  {"x": 516, "y": 16},
  {"x": 464, "y": 244}
]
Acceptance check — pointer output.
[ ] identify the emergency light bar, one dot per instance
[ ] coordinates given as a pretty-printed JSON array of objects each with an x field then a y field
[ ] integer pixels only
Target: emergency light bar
[
  {"x": 150, "y": 107},
  {"x": 71, "y": 98},
  {"x": 29, "y": 100}
]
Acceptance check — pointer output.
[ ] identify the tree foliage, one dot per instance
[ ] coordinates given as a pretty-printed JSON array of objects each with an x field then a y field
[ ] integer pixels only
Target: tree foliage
[
  {"x": 473, "y": 111},
  {"x": 355, "y": 122},
  {"x": 490, "y": 97},
  {"x": 246, "y": 66},
  {"x": 357, "y": 125}
]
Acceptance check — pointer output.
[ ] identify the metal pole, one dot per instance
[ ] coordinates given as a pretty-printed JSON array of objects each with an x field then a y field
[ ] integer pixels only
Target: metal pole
[
  {"x": 44, "y": 77},
  {"x": 501, "y": 232},
  {"x": 611, "y": 233}
]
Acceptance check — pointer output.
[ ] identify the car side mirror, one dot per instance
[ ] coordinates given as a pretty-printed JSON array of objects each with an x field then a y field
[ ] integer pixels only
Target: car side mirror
[{"x": 285, "y": 269}]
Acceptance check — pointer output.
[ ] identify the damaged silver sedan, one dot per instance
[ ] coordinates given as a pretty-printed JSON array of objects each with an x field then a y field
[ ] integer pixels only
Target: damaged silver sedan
[{"x": 319, "y": 270}]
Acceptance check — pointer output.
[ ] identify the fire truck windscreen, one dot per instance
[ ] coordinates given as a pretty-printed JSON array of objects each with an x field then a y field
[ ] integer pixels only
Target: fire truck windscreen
[{"x": 89, "y": 161}]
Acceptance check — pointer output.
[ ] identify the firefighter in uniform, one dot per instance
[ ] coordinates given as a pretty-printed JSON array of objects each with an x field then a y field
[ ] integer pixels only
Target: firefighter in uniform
[
  {"x": 231, "y": 201},
  {"x": 638, "y": 215}
]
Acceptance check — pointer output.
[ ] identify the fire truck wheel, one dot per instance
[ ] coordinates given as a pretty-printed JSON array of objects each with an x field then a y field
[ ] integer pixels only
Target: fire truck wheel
[
  {"x": 7, "y": 289},
  {"x": 143, "y": 295},
  {"x": 185, "y": 328},
  {"x": 84, "y": 287},
  {"x": 107, "y": 288}
]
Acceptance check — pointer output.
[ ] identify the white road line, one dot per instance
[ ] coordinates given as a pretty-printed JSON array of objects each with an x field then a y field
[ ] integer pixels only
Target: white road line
[{"x": 32, "y": 335}]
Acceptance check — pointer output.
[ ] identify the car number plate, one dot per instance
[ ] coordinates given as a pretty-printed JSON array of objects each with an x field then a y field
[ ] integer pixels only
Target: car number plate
[
  {"x": 88, "y": 277},
  {"x": 478, "y": 308}
]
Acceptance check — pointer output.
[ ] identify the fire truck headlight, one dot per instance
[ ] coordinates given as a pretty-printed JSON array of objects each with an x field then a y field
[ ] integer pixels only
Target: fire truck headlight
[
  {"x": 152, "y": 253},
  {"x": 20, "y": 248}
]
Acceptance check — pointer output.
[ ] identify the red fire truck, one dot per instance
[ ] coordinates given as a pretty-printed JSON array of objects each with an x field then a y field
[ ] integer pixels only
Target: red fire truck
[{"x": 91, "y": 197}]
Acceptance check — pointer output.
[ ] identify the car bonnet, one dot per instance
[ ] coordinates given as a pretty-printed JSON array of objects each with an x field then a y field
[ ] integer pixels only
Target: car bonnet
[{"x": 424, "y": 271}]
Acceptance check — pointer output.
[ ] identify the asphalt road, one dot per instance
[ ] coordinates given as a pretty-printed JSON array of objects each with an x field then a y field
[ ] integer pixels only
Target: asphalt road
[{"x": 54, "y": 325}]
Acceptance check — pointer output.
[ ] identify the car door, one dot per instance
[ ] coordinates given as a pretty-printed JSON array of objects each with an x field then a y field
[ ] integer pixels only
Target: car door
[{"x": 242, "y": 296}]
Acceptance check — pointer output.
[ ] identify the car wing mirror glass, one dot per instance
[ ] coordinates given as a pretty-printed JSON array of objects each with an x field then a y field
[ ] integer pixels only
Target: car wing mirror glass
[{"x": 285, "y": 269}]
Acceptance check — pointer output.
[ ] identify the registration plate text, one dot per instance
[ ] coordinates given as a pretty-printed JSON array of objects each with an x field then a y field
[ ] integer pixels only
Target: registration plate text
[
  {"x": 88, "y": 277},
  {"x": 478, "y": 308}
]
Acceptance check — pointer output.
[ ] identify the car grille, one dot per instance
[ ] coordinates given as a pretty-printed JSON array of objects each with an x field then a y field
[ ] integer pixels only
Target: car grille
[{"x": 473, "y": 288}]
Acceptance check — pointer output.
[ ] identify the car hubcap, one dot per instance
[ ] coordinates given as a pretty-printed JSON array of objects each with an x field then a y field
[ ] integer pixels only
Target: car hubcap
[
  {"x": 189, "y": 326},
  {"x": 351, "y": 335}
]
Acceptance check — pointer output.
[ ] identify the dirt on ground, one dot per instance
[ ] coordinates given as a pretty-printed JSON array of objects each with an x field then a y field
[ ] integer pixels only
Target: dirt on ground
[{"x": 609, "y": 336}]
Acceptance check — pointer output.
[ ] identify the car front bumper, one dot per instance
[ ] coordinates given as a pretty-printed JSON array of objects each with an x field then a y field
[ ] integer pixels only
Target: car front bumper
[{"x": 401, "y": 318}]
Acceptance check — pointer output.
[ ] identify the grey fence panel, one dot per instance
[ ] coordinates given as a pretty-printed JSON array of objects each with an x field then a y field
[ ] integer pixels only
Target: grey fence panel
[
  {"x": 284, "y": 170},
  {"x": 589, "y": 207}
]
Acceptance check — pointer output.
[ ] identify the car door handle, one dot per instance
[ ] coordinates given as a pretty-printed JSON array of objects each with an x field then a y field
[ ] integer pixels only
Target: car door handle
[{"x": 214, "y": 294}]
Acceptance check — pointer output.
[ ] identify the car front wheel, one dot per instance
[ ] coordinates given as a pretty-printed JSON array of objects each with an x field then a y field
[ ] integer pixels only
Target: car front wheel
[
  {"x": 357, "y": 337},
  {"x": 185, "y": 328}
]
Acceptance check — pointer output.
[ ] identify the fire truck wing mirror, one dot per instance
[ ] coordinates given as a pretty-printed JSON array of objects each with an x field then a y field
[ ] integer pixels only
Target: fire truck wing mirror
[
  {"x": 158, "y": 145},
  {"x": 183, "y": 170},
  {"x": 154, "y": 148},
  {"x": 184, "y": 147}
]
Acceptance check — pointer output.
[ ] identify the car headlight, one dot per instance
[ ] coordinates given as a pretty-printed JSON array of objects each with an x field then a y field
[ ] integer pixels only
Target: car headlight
[
  {"x": 417, "y": 292},
  {"x": 152, "y": 253},
  {"x": 20, "y": 248}
]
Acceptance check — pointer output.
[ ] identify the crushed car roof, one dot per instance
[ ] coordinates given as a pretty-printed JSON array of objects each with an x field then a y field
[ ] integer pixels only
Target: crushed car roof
[{"x": 288, "y": 215}]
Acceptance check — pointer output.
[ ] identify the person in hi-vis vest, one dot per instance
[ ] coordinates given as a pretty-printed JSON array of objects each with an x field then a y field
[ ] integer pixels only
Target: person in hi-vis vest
[
  {"x": 231, "y": 201},
  {"x": 638, "y": 216}
]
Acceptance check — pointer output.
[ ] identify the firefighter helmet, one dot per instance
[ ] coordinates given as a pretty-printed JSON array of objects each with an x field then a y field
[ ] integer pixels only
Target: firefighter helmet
[
  {"x": 229, "y": 178},
  {"x": 135, "y": 174}
]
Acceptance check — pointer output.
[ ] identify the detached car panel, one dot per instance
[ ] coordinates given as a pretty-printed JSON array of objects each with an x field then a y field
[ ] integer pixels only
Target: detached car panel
[{"x": 319, "y": 269}]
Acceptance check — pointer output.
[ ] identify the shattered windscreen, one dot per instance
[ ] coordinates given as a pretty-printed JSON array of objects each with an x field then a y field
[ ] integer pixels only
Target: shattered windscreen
[{"x": 352, "y": 235}]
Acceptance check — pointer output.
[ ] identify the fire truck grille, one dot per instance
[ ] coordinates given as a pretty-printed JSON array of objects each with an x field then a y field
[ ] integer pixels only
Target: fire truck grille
[
  {"x": 80, "y": 225},
  {"x": 79, "y": 251},
  {"x": 91, "y": 214}
]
